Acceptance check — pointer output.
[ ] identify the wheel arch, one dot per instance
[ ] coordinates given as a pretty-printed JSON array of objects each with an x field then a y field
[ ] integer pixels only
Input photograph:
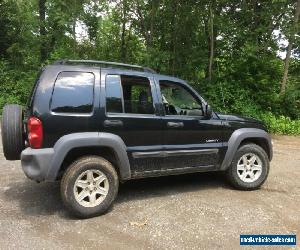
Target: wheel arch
[
  {"x": 244, "y": 136},
  {"x": 72, "y": 146},
  {"x": 79, "y": 152},
  {"x": 262, "y": 142}
]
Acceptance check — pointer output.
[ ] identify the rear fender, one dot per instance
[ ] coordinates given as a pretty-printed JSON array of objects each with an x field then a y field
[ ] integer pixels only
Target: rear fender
[{"x": 78, "y": 140}]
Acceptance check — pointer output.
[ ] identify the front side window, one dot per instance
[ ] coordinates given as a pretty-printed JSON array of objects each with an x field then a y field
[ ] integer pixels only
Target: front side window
[
  {"x": 179, "y": 101},
  {"x": 128, "y": 94},
  {"x": 73, "y": 93}
]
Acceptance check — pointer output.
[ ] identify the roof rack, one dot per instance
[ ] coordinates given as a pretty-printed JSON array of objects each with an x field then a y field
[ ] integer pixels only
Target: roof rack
[{"x": 131, "y": 66}]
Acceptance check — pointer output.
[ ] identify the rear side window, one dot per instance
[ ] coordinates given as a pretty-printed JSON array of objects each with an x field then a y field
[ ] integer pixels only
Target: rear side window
[
  {"x": 114, "y": 94},
  {"x": 34, "y": 87},
  {"x": 73, "y": 93},
  {"x": 128, "y": 94}
]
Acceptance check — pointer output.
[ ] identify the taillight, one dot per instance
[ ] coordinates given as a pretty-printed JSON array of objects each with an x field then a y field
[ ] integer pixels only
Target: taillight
[{"x": 35, "y": 132}]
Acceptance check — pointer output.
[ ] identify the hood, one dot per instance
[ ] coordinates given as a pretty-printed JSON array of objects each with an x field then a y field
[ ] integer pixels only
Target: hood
[{"x": 238, "y": 118}]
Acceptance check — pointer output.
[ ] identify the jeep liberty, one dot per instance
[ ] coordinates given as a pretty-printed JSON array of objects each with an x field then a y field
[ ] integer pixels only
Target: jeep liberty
[{"x": 94, "y": 124}]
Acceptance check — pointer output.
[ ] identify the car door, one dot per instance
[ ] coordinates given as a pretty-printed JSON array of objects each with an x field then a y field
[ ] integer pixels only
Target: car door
[
  {"x": 130, "y": 101},
  {"x": 192, "y": 142}
]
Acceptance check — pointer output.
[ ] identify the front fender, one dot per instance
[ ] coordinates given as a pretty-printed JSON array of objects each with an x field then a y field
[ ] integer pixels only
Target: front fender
[{"x": 238, "y": 136}]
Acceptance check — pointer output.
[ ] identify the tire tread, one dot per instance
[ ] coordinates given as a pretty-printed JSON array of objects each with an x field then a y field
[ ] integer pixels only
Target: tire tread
[
  {"x": 71, "y": 174},
  {"x": 231, "y": 174},
  {"x": 12, "y": 131}
]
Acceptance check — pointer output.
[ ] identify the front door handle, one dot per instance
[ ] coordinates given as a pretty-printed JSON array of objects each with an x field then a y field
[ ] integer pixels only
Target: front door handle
[
  {"x": 175, "y": 124},
  {"x": 113, "y": 123}
]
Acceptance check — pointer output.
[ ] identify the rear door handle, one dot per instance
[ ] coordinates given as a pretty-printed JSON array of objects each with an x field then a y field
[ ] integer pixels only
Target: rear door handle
[
  {"x": 175, "y": 124},
  {"x": 113, "y": 123}
]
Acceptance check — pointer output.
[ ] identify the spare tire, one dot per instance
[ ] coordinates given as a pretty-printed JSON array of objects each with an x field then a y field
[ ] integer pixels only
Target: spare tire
[{"x": 12, "y": 131}]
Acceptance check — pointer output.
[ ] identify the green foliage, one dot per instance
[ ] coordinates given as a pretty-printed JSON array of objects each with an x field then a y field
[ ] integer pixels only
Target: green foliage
[
  {"x": 280, "y": 124},
  {"x": 15, "y": 85},
  {"x": 174, "y": 37}
]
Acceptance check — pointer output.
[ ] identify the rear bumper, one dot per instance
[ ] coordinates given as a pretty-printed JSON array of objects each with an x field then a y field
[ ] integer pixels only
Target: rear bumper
[{"x": 36, "y": 163}]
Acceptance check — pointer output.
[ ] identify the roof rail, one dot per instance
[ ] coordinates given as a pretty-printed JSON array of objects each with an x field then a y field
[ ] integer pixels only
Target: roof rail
[{"x": 131, "y": 66}]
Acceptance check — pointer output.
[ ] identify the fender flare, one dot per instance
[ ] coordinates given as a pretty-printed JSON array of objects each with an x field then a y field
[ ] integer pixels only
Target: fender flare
[
  {"x": 238, "y": 136},
  {"x": 88, "y": 139}
]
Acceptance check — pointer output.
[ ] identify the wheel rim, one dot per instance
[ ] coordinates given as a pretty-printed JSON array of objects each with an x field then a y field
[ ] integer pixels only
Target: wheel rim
[
  {"x": 91, "y": 187},
  {"x": 249, "y": 167}
]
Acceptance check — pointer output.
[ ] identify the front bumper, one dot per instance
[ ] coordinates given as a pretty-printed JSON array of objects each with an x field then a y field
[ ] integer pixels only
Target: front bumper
[{"x": 36, "y": 163}]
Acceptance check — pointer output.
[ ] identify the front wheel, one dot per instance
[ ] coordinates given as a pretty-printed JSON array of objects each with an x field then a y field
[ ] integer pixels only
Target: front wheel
[
  {"x": 249, "y": 168},
  {"x": 89, "y": 186}
]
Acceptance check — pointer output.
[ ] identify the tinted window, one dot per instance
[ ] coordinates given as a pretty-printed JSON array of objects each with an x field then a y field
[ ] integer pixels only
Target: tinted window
[
  {"x": 179, "y": 101},
  {"x": 31, "y": 97},
  {"x": 73, "y": 92},
  {"x": 137, "y": 95},
  {"x": 128, "y": 94},
  {"x": 113, "y": 94}
]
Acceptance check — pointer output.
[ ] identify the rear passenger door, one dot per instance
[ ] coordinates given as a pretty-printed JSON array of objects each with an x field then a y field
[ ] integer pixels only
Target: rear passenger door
[{"x": 130, "y": 111}]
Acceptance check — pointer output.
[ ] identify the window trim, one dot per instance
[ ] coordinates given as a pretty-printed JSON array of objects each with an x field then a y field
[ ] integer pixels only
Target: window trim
[
  {"x": 124, "y": 114},
  {"x": 73, "y": 113},
  {"x": 122, "y": 95},
  {"x": 187, "y": 88}
]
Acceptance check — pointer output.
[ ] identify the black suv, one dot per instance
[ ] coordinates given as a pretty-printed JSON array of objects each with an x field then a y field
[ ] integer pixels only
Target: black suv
[{"x": 94, "y": 124}]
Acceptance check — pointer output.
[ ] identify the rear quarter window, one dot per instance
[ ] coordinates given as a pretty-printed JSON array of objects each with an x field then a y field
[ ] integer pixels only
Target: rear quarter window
[
  {"x": 73, "y": 93},
  {"x": 34, "y": 87}
]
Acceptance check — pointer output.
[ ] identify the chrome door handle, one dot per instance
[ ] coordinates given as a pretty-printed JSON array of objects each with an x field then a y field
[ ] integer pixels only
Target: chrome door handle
[
  {"x": 113, "y": 123},
  {"x": 175, "y": 124}
]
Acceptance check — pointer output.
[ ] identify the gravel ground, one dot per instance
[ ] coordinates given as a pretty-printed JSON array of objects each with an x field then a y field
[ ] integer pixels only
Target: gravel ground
[{"x": 198, "y": 211}]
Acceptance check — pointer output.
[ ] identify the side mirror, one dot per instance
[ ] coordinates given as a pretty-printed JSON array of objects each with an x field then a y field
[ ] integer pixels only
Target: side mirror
[{"x": 208, "y": 111}]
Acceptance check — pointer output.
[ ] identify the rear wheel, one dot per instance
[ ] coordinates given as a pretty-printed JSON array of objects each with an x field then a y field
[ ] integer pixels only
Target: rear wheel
[
  {"x": 249, "y": 168},
  {"x": 89, "y": 186},
  {"x": 12, "y": 131}
]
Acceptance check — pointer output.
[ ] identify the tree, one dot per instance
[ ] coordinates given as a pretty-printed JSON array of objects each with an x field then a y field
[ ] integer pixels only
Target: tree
[
  {"x": 289, "y": 48},
  {"x": 230, "y": 44},
  {"x": 42, "y": 16},
  {"x": 211, "y": 43},
  {"x": 123, "y": 34}
]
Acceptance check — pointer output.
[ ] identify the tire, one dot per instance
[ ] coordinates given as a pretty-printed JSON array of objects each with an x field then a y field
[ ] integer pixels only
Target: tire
[
  {"x": 78, "y": 173},
  {"x": 12, "y": 132},
  {"x": 248, "y": 177}
]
